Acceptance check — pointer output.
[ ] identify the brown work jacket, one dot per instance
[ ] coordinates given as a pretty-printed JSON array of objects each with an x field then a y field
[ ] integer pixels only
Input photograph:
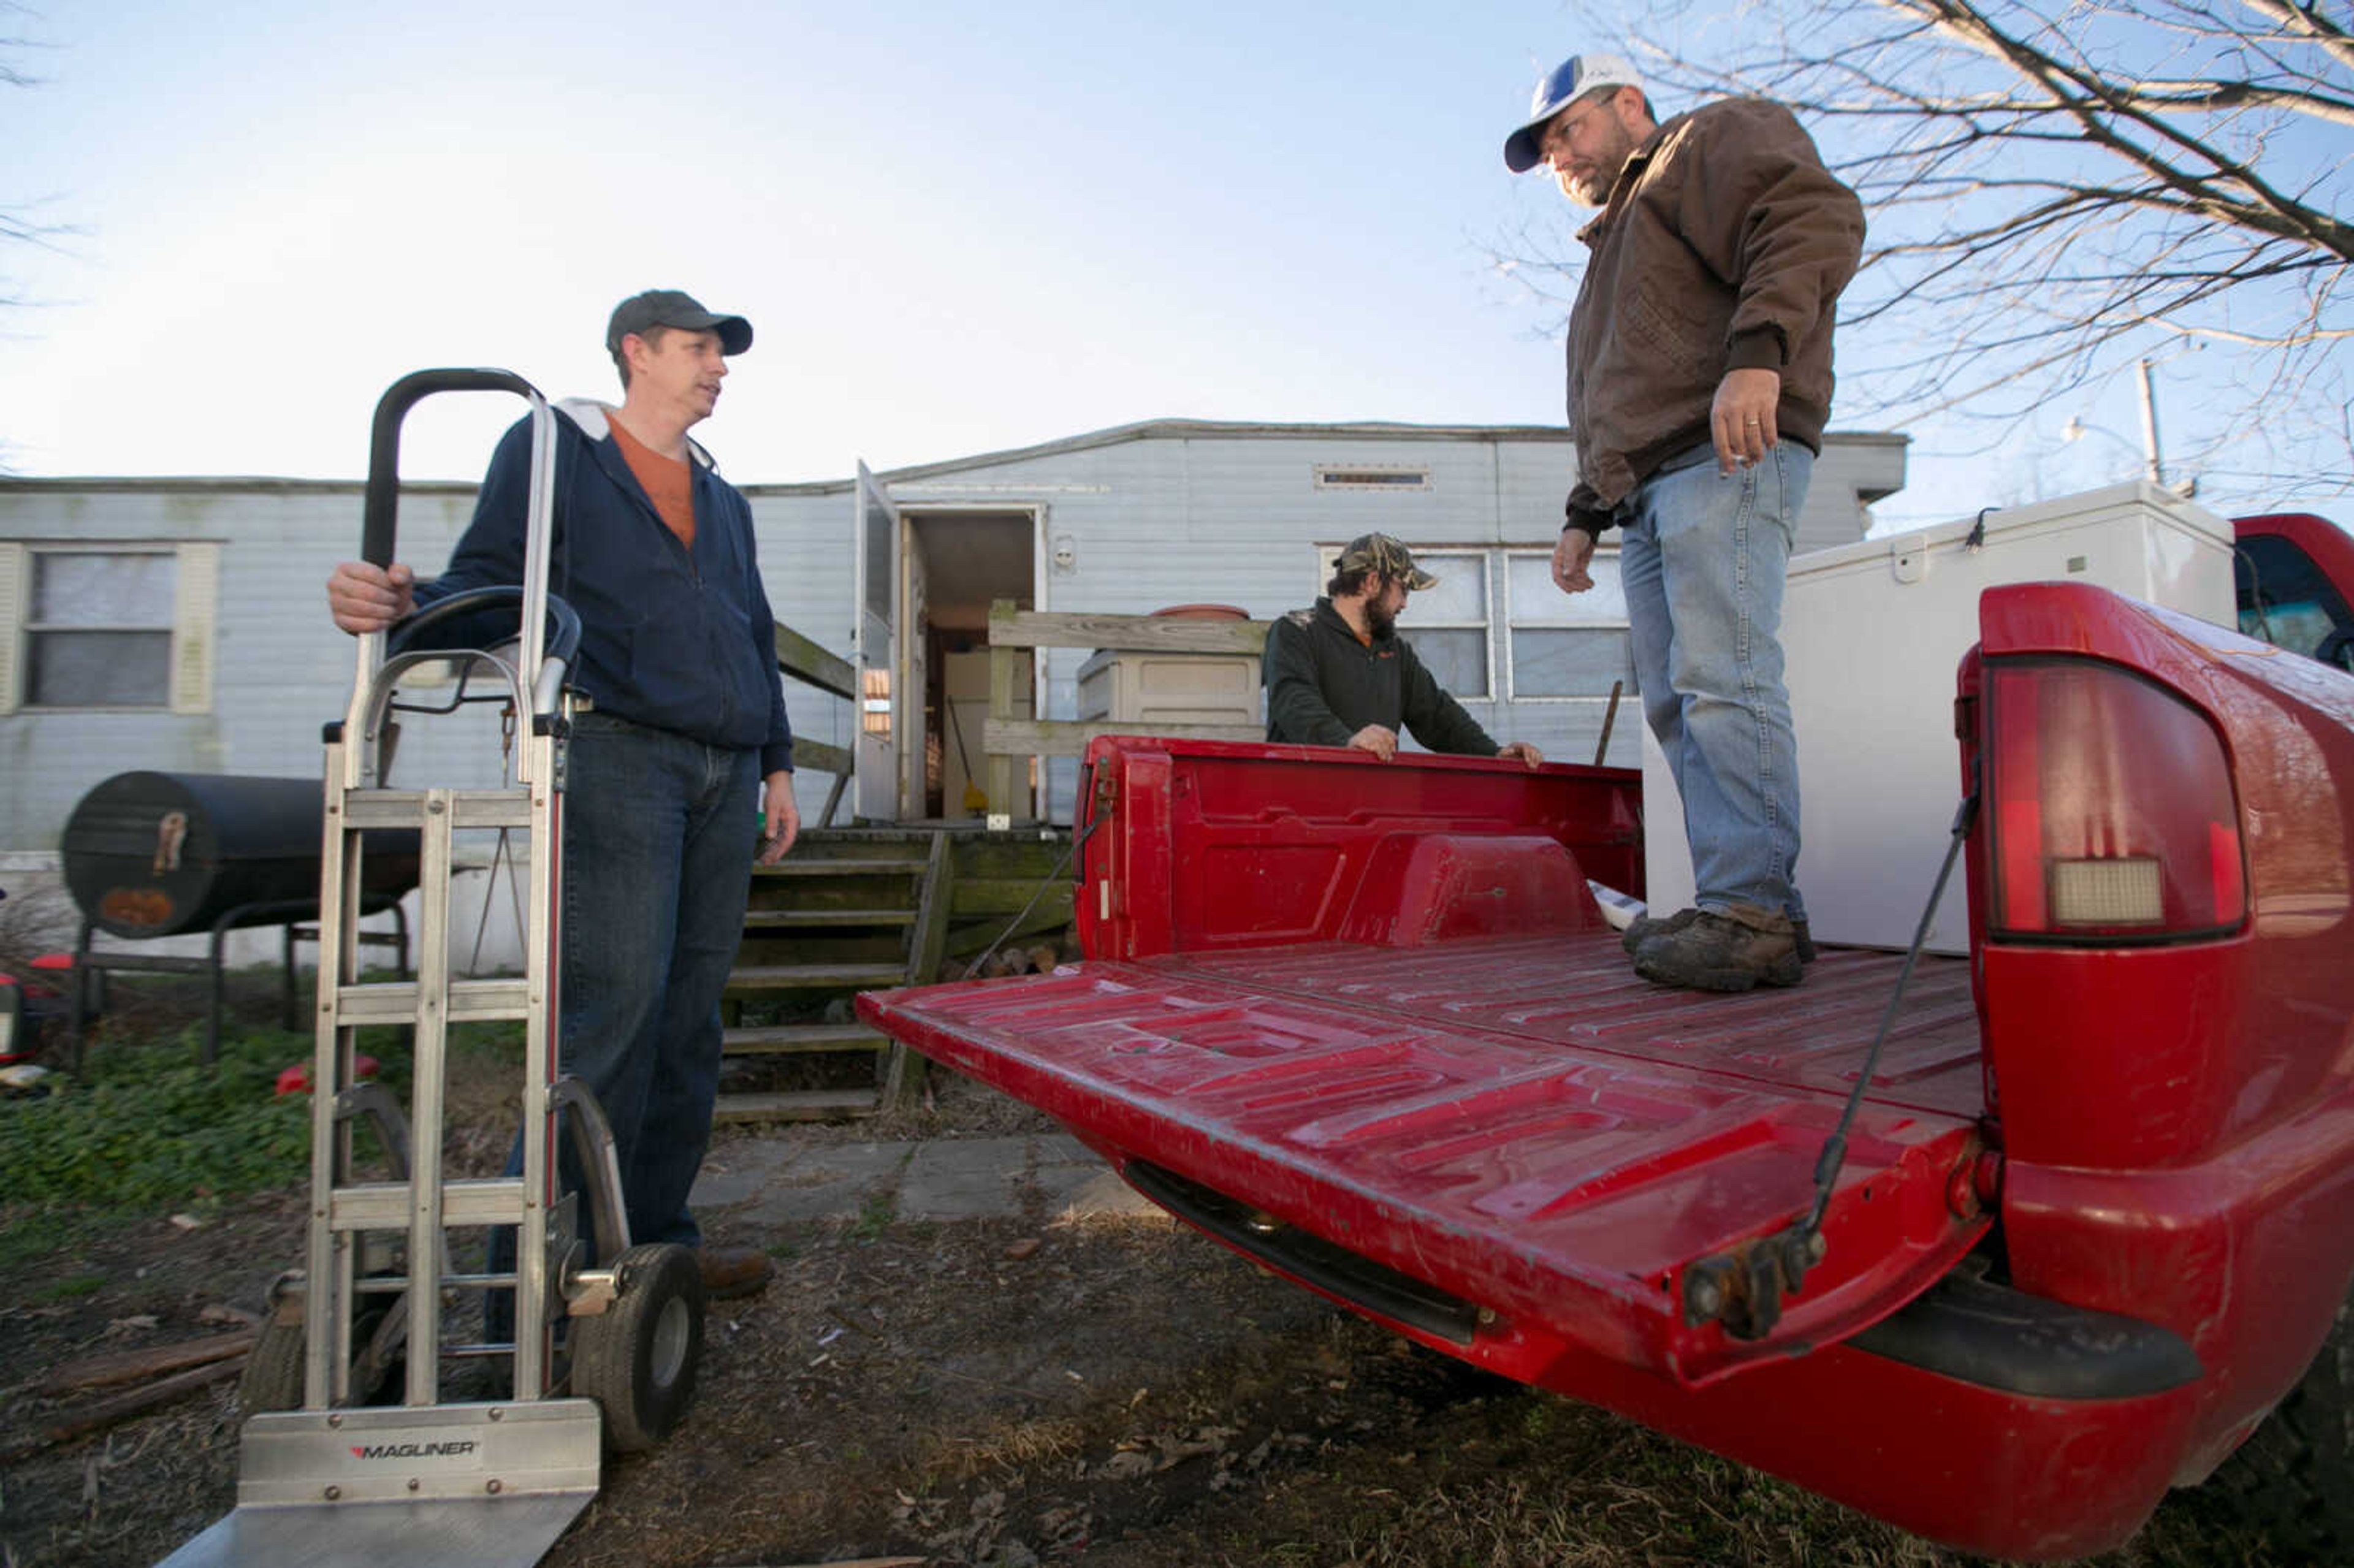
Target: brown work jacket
[{"x": 1723, "y": 245}]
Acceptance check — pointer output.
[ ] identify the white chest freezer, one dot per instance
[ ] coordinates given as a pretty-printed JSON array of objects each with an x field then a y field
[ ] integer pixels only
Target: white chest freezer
[{"x": 1872, "y": 632}]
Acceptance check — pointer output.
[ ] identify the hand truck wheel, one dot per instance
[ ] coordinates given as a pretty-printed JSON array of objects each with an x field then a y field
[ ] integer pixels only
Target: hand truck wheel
[
  {"x": 272, "y": 1379},
  {"x": 637, "y": 1358}
]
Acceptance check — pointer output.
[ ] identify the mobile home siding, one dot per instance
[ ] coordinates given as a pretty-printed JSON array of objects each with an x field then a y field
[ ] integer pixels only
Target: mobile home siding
[{"x": 1154, "y": 515}]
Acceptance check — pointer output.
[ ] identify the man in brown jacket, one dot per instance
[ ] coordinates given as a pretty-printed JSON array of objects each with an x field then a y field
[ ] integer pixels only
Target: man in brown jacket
[{"x": 1700, "y": 382}]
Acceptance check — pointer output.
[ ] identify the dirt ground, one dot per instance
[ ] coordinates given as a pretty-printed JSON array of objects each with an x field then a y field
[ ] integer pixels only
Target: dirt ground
[{"x": 1002, "y": 1392}]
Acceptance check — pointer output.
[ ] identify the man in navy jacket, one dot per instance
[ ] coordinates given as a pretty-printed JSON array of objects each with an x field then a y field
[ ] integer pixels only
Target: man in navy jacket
[{"x": 685, "y": 735}]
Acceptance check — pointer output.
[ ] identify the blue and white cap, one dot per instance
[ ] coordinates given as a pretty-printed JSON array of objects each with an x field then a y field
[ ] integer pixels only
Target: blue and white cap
[{"x": 1557, "y": 90}]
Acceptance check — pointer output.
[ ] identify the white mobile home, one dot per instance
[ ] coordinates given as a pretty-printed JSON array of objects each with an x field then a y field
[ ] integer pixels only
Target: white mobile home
[
  {"x": 179, "y": 624},
  {"x": 1141, "y": 517}
]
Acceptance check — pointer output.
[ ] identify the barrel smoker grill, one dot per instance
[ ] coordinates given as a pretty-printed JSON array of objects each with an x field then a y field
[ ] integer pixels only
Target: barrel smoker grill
[
  {"x": 156, "y": 855},
  {"x": 149, "y": 855}
]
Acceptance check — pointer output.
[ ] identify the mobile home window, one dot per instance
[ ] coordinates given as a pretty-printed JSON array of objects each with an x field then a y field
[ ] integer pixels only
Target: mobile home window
[
  {"x": 106, "y": 626},
  {"x": 97, "y": 634},
  {"x": 1567, "y": 646},
  {"x": 1448, "y": 624}
]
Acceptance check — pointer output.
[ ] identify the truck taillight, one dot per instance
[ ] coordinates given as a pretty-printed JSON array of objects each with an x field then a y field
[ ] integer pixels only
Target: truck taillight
[{"x": 2112, "y": 811}]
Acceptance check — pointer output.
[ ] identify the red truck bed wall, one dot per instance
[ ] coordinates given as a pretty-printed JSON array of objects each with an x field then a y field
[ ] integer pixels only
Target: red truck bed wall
[{"x": 1357, "y": 850}]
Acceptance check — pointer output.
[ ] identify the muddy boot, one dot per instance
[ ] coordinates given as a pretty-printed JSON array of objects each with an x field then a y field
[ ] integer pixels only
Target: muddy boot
[
  {"x": 1804, "y": 940},
  {"x": 1642, "y": 928},
  {"x": 1736, "y": 949}
]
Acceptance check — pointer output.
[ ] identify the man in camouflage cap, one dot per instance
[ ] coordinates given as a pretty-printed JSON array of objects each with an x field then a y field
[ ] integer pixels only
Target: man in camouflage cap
[{"x": 1339, "y": 674}]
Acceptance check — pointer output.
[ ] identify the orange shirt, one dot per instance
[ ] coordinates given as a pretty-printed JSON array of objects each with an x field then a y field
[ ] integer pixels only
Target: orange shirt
[{"x": 667, "y": 483}]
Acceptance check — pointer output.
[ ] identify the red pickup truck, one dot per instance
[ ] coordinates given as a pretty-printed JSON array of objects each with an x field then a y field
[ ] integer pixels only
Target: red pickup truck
[{"x": 1365, "y": 1023}]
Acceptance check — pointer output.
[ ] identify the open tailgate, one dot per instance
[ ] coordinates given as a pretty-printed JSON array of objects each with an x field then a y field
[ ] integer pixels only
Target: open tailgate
[{"x": 1514, "y": 1124}]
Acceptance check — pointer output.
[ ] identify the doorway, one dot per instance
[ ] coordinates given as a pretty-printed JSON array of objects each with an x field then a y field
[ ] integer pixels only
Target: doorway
[{"x": 959, "y": 562}]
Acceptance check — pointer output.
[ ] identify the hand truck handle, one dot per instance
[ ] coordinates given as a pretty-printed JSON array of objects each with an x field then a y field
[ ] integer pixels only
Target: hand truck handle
[
  {"x": 539, "y": 678},
  {"x": 564, "y": 639},
  {"x": 376, "y": 524}
]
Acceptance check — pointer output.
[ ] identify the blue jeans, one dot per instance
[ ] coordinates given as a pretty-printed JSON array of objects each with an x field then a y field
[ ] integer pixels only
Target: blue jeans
[
  {"x": 658, "y": 838},
  {"x": 659, "y": 832},
  {"x": 1703, "y": 559}
]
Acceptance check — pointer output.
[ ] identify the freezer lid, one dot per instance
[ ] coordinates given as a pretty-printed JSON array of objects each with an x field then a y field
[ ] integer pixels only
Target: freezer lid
[{"x": 1626, "y": 1203}]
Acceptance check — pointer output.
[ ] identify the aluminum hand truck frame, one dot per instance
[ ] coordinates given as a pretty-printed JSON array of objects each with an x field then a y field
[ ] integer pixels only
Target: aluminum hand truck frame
[{"x": 601, "y": 1356}]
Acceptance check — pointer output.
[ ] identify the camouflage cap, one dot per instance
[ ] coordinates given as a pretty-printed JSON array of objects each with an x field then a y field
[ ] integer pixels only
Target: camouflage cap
[{"x": 1386, "y": 556}]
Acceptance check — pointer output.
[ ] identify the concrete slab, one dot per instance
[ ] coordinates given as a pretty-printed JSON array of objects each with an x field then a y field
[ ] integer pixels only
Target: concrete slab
[
  {"x": 835, "y": 1182},
  {"x": 782, "y": 1179},
  {"x": 1062, "y": 1148},
  {"x": 1077, "y": 1183},
  {"x": 736, "y": 1169},
  {"x": 1079, "y": 1194},
  {"x": 964, "y": 1179}
]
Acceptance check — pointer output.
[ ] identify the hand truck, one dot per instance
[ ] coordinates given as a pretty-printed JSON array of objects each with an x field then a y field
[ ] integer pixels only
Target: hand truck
[{"x": 601, "y": 1356}]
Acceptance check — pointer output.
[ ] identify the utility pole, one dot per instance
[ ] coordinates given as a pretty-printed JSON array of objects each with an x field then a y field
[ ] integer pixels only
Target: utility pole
[{"x": 2149, "y": 422}]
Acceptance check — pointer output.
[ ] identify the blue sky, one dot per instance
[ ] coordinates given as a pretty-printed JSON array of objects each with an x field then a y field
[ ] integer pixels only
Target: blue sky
[{"x": 955, "y": 227}]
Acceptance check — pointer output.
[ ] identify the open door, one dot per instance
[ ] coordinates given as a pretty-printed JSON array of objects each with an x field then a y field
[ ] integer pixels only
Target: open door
[
  {"x": 877, "y": 790},
  {"x": 912, "y": 725}
]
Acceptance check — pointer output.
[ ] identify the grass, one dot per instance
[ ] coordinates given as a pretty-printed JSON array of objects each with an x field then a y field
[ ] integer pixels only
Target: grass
[
  {"x": 146, "y": 1127},
  {"x": 1009, "y": 1444},
  {"x": 874, "y": 1217}
]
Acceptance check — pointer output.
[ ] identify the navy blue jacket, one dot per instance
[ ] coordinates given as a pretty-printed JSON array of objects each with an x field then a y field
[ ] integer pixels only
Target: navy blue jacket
[{"x": 678, "y": 640}]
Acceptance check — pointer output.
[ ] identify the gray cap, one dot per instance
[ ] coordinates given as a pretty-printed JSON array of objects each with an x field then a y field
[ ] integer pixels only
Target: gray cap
[
  {"x": 1557, "y": 90},
  {"x": 670, "y": 308}
]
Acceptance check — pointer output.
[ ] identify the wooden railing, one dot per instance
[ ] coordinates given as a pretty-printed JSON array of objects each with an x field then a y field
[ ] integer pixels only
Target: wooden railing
[
  {"x": 805, "y": 661},
  {"x": 1010, "y": 735}
]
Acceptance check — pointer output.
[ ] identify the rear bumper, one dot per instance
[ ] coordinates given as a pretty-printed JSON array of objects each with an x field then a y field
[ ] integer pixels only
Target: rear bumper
[
  {"x": 1980, "y": 1416},
  {"x": 2010, "y": 1341}
]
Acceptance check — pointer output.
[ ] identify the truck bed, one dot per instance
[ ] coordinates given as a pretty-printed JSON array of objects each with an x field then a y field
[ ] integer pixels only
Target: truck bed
[
  {"x": 1576, "y": 990},
  {"x": 1503, "y": 1127}
]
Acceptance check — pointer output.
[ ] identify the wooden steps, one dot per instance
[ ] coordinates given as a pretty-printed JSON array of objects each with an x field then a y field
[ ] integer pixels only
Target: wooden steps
[
  {"x": 790, "y": 870},
  {"x": 845, "y": 912},
  {"x": 746, "y": 979},
  {"x": 770, "y": 919},
  {"x": 800, "y": 1105},
  {"x": 869, "y": 908},
  {"x": 791, "y": 1038}
]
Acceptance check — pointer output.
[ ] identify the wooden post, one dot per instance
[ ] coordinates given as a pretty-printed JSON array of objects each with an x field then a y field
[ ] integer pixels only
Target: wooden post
[
  {"x": 1014, "y": 737},
  {"x": 903, "y": 1074},
  {"x": 1012, "y": 683}
]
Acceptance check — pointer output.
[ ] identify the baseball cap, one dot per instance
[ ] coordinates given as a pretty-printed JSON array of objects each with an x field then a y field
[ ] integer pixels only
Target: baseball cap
[
  {"x": 1557, "y": 90},
  {"x": 1384, "y": 554},
  {"x": 670, "y": 308}
]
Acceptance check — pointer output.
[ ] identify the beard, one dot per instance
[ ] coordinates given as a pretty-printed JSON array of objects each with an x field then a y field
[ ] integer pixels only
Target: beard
[{"x": 1379, "y": 620}]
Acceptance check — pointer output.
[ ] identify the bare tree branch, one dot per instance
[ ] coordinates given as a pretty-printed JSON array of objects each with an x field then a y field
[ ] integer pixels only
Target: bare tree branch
[
  {"x": 2307, "y": 23},
  {"x": 16, "y": 227}
]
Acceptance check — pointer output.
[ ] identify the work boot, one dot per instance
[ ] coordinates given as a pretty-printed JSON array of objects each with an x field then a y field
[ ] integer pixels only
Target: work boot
[
  {"x": 732, "y": 1271},
  {"x": 1642, "y": 928},
  {"x": 1731, "y": 951}
]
